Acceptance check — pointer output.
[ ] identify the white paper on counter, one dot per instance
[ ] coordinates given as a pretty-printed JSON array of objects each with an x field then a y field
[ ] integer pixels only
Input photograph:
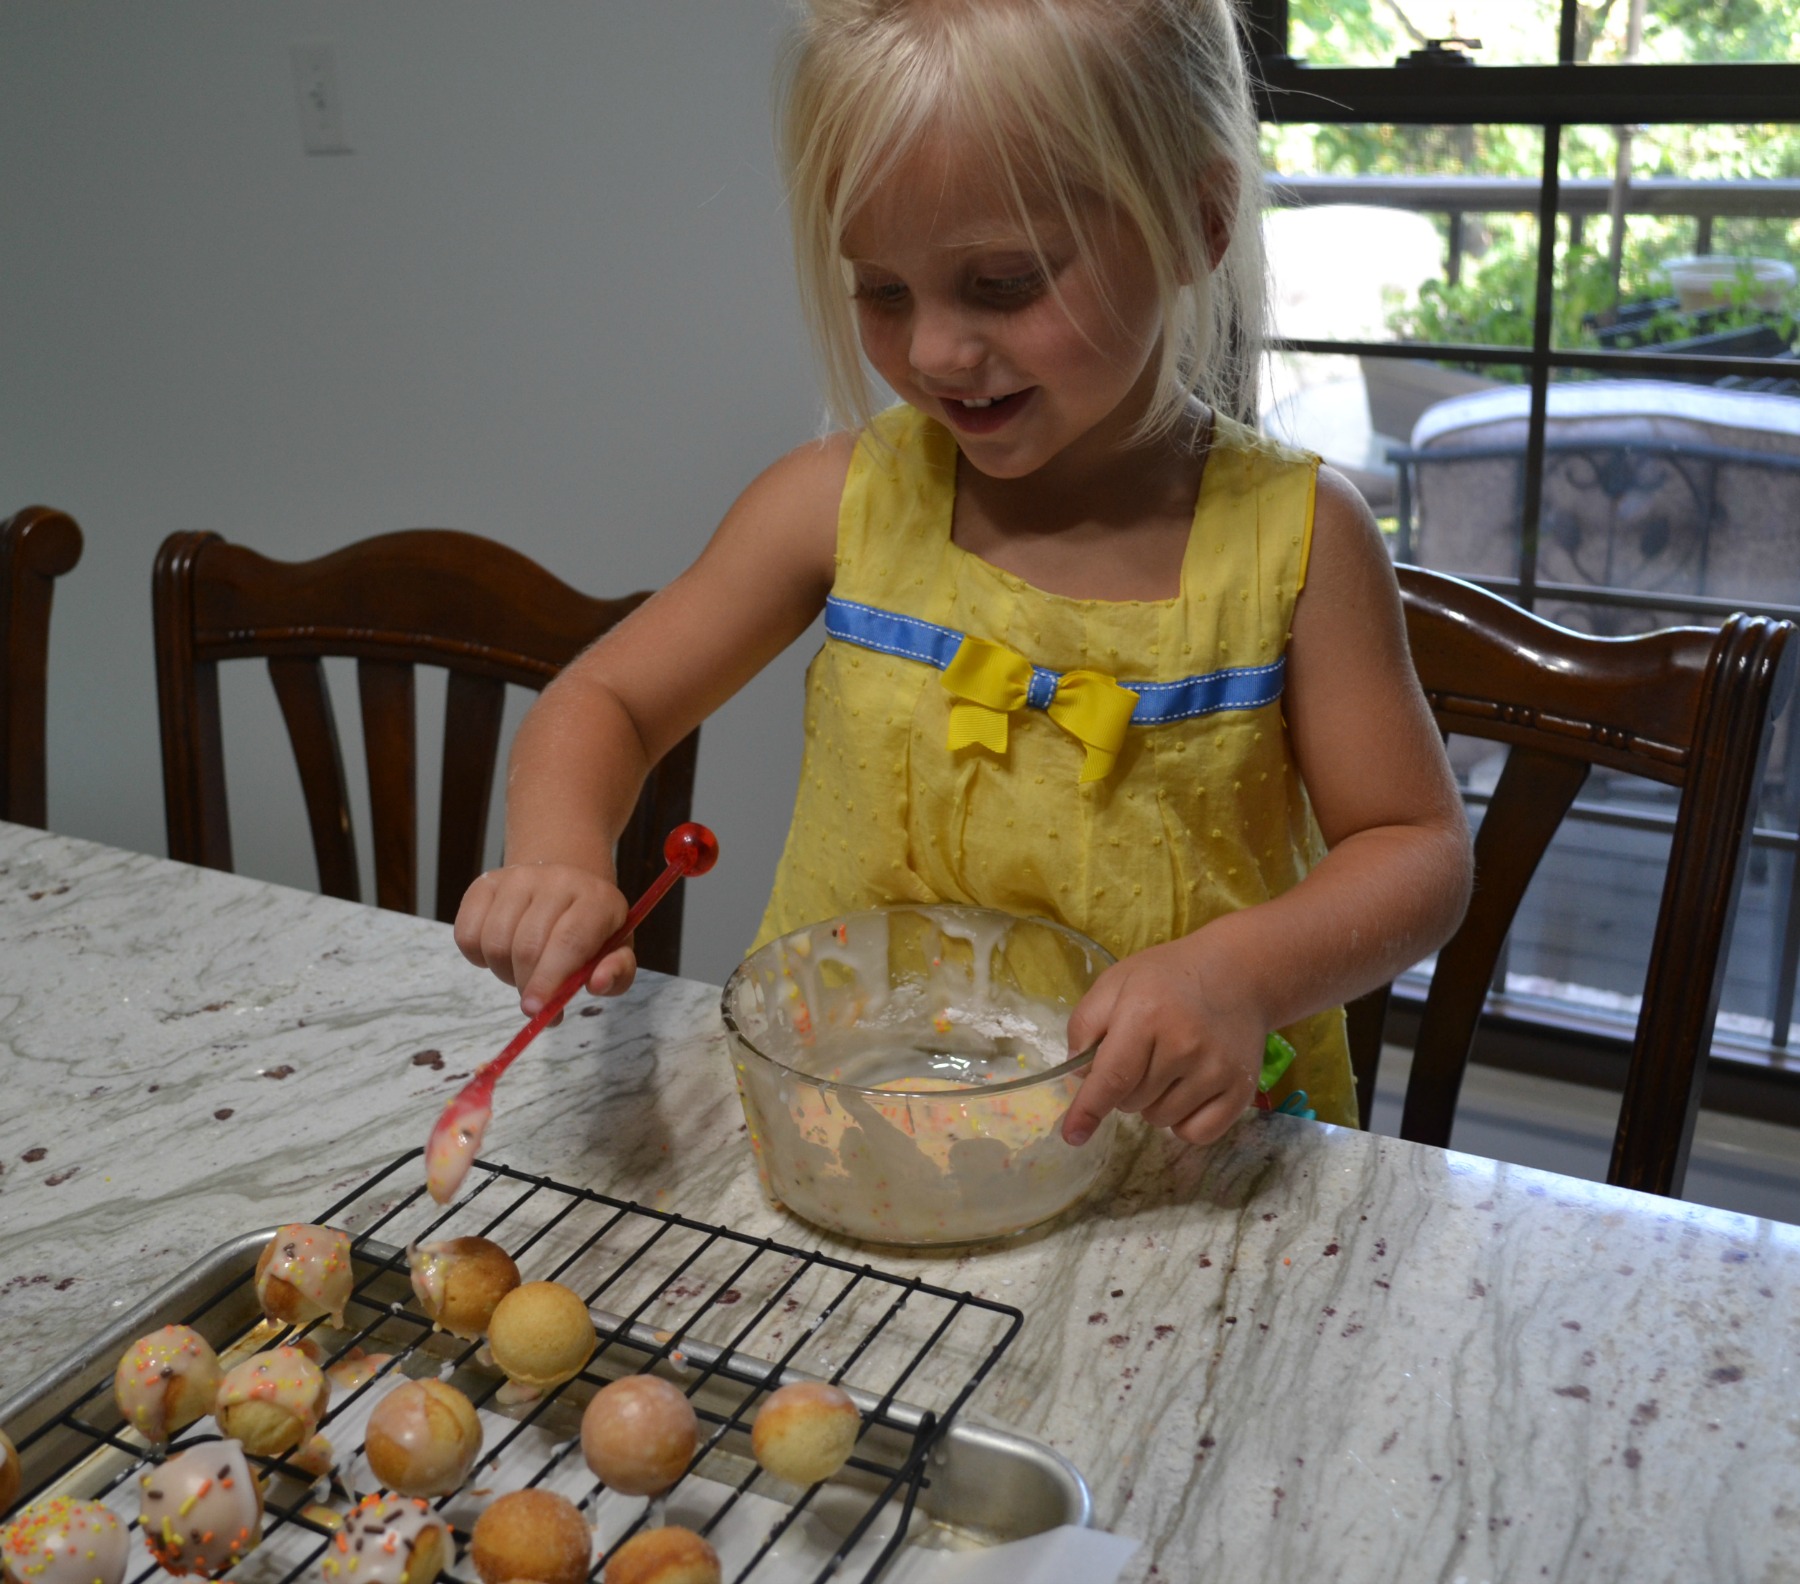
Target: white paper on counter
[{"x": 1054, "y": 1557}]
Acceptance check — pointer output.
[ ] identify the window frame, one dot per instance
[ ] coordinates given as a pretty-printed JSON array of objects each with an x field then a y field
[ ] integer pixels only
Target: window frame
[{"x": 1461, "y": 91}]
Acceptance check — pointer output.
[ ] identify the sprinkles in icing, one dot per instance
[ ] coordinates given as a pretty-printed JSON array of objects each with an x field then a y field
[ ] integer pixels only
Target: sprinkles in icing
[
  {"x": 272, "y": 1401},
  {"x": 201, "y": 1510},
  {"x": 387, "y": 1539},
  {"x": 305, "y": 1272},
  {"x": 59, "y": 1541},
  {"x": 166, "y": 1381}
]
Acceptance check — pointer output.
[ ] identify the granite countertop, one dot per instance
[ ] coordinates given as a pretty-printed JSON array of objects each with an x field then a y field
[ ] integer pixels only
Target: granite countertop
[{"x": 1304, "y": 1352}]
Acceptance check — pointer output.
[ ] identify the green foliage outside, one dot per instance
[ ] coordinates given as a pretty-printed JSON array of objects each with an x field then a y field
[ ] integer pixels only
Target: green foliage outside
[{"x": 1492, "y": 303}]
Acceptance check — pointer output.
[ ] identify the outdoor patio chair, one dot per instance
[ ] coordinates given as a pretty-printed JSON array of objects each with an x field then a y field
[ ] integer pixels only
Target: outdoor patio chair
[
  {"x": 1687, "y": 707},
  {"x": 37, "y": 545},
  {"x": 487, "y": 614},
  {"x": 1648, "y": 485}
]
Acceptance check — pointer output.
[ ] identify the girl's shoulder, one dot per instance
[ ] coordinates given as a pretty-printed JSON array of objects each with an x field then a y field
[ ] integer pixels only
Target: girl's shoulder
[
  {"x": 784, "y": 523},
  {"x": 804, "y": 485},
  {"x": 1258, "y": 450}
]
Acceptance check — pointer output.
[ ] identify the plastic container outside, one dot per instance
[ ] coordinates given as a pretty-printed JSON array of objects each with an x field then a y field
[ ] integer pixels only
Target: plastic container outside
[
  {"x": 904, "y": 1072},
  {"x": 1707, "y": 281}
]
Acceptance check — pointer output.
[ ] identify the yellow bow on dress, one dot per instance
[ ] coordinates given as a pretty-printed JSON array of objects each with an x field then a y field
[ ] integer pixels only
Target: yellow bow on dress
[{"x": 989, "y": 681}]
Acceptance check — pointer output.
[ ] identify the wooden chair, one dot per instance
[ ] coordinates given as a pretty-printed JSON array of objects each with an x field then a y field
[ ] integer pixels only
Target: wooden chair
[
  {"x": 1688, "y": 707},
  {"x": 484, "y": 612},
  {"x": 37, "y": 545}
]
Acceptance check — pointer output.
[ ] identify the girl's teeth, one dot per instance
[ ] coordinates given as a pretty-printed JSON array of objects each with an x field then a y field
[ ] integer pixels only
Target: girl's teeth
[{"x": 979, "y": 401}]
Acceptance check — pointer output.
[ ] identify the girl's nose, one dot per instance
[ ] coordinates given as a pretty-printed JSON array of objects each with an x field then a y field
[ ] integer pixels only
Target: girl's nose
[{"x": 944, "y": 343}]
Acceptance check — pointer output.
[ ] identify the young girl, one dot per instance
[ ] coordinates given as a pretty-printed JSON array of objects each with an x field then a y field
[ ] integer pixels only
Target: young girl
[{"x": 1095, "y": 651}]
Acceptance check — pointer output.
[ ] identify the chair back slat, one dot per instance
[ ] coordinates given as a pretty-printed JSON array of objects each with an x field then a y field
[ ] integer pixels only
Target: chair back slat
[
  {"x": 305, "y": 700},
  {"x": 1529, "y": 801},
  {"x": 1750, "y": 676},
  {"x": 1366, "y": 1019},
  {"x": 1685, "y": 707},
  {"x": 385, "y": 688},
  {"x": 37, "y": 545},
  {"x": 473, "y": 708},
  {"x": 485, "y": 613}
]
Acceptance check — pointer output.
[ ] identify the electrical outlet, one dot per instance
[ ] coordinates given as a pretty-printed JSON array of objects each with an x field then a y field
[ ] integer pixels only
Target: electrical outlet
[{"x": 321, "y": 101}]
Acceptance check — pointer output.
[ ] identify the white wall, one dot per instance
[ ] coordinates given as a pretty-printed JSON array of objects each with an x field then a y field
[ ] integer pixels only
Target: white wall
[{"x": 548, "y": 298}]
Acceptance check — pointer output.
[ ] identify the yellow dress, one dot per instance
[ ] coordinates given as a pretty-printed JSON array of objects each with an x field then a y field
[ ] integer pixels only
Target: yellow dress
[{"x": 1201, "y": 813}]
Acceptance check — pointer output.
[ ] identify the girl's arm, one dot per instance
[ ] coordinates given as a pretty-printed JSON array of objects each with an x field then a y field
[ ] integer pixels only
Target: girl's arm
[
  {"x": 1181, "y": 1026},
  {"x": 583, "y": 751}
]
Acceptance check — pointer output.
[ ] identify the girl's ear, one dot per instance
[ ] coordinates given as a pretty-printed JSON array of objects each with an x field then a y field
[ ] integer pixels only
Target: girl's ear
[{"x": 1216, "y": 204}]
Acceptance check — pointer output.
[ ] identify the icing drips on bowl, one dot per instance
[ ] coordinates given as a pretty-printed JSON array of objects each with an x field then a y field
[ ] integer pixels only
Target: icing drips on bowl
[{"x": 905, "y": 1072}]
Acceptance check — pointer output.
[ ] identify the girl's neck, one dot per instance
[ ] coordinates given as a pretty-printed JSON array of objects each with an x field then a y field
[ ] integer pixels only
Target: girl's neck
[{"x": 1116, "y": 530}]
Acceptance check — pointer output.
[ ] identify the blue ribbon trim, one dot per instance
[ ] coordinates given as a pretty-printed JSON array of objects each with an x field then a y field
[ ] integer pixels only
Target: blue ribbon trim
[{"x": 1233, "y": 688}]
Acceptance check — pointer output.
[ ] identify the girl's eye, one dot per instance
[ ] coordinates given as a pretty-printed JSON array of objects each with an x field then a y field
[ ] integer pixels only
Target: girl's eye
[
  {"x": 880, "y": 294},
  {"x": 1011, "y": 289}
]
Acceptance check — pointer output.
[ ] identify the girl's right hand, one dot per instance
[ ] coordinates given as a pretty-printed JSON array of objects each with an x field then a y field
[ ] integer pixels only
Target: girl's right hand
[{"x": 534, "y": 924}]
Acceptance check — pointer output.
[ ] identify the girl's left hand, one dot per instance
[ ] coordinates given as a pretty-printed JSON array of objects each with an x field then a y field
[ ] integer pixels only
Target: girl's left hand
[{"x": 1175, "y": 1045}]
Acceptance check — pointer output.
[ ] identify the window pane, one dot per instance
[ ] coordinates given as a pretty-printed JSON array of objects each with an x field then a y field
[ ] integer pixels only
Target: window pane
[
  {"x": 1372, "y": 238},
  {"x": 1375, "y": 33},
  {"x": 1708, "y": 31},
  {"x": 1679, "y": 238},
  {"x": 1524, "y": 32}
]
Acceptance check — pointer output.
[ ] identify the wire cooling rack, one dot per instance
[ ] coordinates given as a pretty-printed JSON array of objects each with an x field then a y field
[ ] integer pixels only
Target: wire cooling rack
[{"x": 725, "y": 1315}]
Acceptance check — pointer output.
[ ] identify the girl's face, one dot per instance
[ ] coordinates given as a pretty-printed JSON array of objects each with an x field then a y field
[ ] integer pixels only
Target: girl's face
[{"x": 1027, "y": 348}]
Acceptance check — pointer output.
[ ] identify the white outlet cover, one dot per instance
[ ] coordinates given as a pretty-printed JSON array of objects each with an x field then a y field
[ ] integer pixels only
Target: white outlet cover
[{"x": 320, "y": 99}]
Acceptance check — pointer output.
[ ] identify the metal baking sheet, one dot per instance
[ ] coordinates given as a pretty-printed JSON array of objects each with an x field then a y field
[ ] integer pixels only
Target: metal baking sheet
[{"x": 725, "y": 1316}]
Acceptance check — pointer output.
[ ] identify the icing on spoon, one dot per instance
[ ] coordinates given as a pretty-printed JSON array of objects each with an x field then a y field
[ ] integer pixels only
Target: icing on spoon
[{"x": 689, "y": 850}]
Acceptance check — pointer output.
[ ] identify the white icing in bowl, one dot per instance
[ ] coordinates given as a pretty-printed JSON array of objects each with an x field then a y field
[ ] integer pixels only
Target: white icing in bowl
[{"x": 905, "y": 1071}]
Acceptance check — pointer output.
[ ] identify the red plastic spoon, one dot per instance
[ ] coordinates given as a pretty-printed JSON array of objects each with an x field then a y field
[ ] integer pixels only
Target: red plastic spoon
[{"x": 690, "y": 850}]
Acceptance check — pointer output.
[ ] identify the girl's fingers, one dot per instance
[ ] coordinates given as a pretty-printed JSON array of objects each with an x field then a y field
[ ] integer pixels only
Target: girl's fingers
[
  {"x": 1102, "y": 1089},
  {"x": 576, "y": 928},
  {"x": 615, "y": 972},
  {"x": 543, "y": 954},
  {"x": 1087, "y": 1023},
  {"x": 1189, "y": 1092},
  {"x": 500, "y": 926},
  {"x": 1116, "y": 1082},
  {"x": 471, "y": 915},
  {"x": 1211, "y": 1122}
]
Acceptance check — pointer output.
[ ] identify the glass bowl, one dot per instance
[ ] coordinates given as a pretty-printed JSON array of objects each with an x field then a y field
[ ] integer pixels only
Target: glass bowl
[{"x": 905, "y": 1071}]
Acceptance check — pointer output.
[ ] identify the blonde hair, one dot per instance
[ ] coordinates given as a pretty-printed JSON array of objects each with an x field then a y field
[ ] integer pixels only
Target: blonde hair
[{"x": 1142, "y": 102}]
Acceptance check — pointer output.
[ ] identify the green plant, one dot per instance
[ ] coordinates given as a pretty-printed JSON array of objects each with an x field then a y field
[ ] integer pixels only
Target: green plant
[{"x": 1494, "y": 303}]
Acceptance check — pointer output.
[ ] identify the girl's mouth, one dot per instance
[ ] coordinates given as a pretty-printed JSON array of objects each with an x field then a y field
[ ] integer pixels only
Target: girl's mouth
[{"x": 982, "y": 414}]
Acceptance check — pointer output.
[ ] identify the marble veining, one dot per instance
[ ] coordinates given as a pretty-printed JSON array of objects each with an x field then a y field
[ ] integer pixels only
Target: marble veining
[{"x": 1303, "y": 1353}]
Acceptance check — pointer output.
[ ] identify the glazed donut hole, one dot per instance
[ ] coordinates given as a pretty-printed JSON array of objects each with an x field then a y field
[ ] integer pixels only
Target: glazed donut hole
[
  {"x": 638, "y": 1435},
  {"x": 423, "y": 1438},
  {"x": 805, "y": 1433},
  {"x": 273, "y": 1401},
  {"x": 62, "y": 1541},
  {"x": 201, "y": 1510},
  {"x": 388, "y": 1539},
  {"x": 459, "y": 1282},
  {"x": 305, "y": 1273},
  {"x": 671, "y": 1555},
  {"x": 165, "y": 1381}
]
